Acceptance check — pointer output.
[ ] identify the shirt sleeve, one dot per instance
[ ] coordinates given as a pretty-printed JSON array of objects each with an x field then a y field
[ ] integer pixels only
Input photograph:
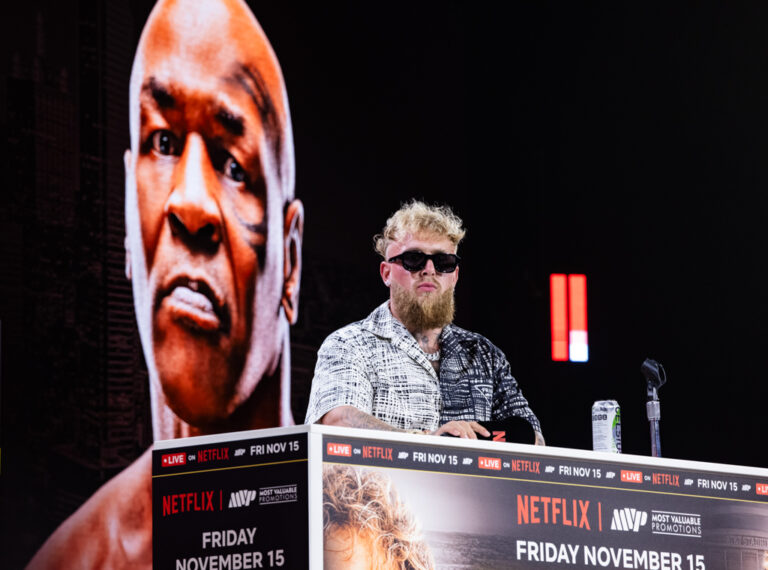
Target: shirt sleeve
[
  {"x": 508, "y": 400},
  {"x": 340, "y": 378}
]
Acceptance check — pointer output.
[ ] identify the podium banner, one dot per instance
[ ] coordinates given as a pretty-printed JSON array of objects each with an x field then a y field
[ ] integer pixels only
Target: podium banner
[
  {"x": 482, "y": 508},
  {"x": 231, "y": 504}
]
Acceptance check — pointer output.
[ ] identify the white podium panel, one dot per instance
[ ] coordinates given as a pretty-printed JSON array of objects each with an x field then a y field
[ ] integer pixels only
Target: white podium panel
[{"x": 261, "y": 499}]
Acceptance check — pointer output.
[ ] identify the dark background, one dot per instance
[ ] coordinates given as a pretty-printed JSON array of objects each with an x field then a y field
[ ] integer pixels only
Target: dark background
[{"x": 626, "y": 143}]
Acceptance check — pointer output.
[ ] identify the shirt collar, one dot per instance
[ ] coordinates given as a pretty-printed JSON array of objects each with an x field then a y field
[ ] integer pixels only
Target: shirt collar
[{"x": 382, "y": 322}]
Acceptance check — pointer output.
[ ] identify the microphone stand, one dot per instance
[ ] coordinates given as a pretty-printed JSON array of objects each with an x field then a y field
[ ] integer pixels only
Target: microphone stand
[
  {"x": 653, "y": 409},
  {"x": 655, "y": 378}
]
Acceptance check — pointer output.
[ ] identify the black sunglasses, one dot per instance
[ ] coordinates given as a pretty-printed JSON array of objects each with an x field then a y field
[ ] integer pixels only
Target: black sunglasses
[{"x": 417, "y": 260}]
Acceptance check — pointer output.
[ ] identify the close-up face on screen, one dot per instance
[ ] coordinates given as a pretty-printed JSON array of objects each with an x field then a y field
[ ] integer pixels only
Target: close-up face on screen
[{"x": 204, "y": 175}]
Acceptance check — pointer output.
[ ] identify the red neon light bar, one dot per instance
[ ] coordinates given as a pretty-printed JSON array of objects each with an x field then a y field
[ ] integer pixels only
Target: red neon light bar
[
  {"x": 568, "y": 303},
  {"x": 559, "y": 303}
]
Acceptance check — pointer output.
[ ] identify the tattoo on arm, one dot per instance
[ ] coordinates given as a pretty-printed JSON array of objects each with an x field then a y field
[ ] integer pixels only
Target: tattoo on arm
[{"x": 353, "y": 417}]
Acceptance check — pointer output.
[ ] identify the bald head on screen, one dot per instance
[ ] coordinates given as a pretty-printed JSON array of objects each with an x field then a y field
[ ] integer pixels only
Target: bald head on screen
[
  {"x": 213, "y": 251},
  {"x": 213, "y": 229}
]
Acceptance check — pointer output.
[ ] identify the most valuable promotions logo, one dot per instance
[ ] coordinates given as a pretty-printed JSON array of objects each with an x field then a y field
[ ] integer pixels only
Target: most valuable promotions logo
[
  {"x": 628, "y": 519},
  {"x": 676, "y": 524},
  {"x": 241, "y": 498}
]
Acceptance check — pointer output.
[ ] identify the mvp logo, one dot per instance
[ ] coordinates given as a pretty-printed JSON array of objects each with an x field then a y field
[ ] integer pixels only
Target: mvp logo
[
  {"x": 241, "y": 498},
  {"x": 628, "y": 519}
]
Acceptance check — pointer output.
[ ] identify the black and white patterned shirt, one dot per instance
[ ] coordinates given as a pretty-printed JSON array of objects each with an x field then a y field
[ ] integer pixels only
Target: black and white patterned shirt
[{"x": 376, "y": 366}]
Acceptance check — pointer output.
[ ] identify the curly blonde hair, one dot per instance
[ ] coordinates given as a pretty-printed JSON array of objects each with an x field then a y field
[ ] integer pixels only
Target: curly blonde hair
[
  {"x": 364, "y": 502},
  {"x": 418, "y": 217}
]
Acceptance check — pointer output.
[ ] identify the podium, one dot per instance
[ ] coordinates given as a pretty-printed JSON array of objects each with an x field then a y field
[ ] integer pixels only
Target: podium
[{"x": 255, "y": 499}]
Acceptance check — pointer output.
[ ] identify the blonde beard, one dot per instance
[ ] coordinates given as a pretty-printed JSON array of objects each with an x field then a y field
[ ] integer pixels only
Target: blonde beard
[{"x": 423, "y": 312}]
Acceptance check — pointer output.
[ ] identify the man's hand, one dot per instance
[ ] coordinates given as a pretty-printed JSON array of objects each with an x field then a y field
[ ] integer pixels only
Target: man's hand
[
  {"x": 467, "y": 430},
  {"x": 539, "y": 440}
]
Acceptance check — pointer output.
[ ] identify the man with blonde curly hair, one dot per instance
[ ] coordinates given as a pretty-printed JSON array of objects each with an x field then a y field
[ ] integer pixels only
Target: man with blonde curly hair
[
  {"x": 406, "y": 367},
  {"x": 365, "y": 525}
]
